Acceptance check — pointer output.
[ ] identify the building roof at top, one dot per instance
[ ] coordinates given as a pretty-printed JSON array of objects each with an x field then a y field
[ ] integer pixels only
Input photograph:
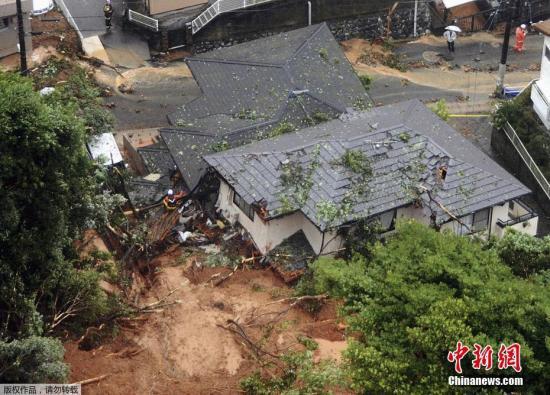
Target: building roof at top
[
  {"x": 250, "y": 87},
  {"x": 543, "y": 27},
  {"x": 406, "y": 145}
]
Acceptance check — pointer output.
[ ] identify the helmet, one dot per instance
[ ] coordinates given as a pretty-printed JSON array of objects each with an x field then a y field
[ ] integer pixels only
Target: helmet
[
  {"x": 170, "y": 192},
  {"x": 523, "y": 26}
]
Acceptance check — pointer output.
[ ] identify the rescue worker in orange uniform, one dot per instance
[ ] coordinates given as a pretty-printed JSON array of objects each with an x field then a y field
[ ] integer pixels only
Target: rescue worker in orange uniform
[
  {"x": 170, "y": 201},
  {"x": 521, "y": 31}
]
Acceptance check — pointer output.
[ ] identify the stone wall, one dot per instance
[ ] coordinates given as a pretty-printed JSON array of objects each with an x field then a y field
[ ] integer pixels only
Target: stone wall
[{"x": 346, "y": 19}]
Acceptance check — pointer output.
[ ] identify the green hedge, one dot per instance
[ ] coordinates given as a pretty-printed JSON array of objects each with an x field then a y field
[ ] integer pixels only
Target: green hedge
[{"x": 519, "y": 112}]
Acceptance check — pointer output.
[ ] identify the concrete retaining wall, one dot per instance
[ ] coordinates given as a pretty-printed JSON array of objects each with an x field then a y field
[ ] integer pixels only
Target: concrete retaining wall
[{"x": 346, "y": 19}]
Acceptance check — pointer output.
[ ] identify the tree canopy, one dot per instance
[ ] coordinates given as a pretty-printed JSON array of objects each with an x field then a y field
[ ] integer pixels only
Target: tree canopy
[
  {"x": 420, "y": 293},
  {"x": 47, "y": 183}
]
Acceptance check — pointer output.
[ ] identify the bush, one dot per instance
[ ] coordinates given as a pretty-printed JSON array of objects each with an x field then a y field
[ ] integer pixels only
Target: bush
[
  {"x": 523, "y": 253},
  {"x": 32, "y": 360},
  {"x": 366, "y": 81},
  {"x": 421, "y": 293},
  {"x": 441, "y": 109},
  {"x": 521, "y": 116}
]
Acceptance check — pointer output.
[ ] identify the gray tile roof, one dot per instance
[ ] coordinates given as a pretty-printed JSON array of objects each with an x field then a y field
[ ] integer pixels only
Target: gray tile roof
[
  {"x": 246, "y": 89},
  {"x": 405, "y": 145}
]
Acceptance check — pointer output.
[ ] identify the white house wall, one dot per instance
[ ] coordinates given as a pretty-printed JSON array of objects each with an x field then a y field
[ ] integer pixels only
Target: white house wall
[
  {"x": 540, "y": 93},
  {"x": 269, "y": 234}
]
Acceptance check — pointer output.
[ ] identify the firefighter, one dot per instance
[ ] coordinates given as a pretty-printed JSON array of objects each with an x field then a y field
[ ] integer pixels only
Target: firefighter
[
  {"x": 170, "y": 201},
  {"x": 108, "y": 11}
]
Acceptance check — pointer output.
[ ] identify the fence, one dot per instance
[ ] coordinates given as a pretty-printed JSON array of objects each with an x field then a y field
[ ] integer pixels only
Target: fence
[
  {"x": 143, "y": 20},
  {"x": 219, "y": 7},
  {"x": 524, "y": 154},
  {"x": 487, "y": 20}
]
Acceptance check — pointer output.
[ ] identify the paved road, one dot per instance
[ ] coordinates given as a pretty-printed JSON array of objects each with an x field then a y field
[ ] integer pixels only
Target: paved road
[
  {"x": 123, "y": 48},
  {"x": 88, "y": 15}
]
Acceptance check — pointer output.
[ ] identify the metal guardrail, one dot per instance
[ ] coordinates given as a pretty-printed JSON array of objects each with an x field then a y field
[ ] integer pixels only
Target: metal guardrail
[
  {"x": 524, "y": 154},
  {"x": 220, "y": 7},
  {"x": 143, "y": 20}
]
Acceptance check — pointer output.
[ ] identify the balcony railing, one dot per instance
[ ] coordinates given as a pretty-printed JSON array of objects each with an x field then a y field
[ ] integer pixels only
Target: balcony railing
[{"x": 530, "y": 214}]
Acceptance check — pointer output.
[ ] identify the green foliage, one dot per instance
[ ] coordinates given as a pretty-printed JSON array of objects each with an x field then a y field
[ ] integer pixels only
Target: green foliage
[
  {"x": 366, "y": 81},
  {"x": 441, "y": 109},
  {"x": 79, "y": 91},
  {"x": 32, "y": 360},
  {"x": 360, "y": 104},
  {"x": 362, "y": 237},
  {"x": 47, "y": 183},
  {"x": 220, "y": 146},
  {"x": 519, "y": 113},
  {"x": 394, "y": 61},
  {"x": 523, "y": 253},
  {"x": 297, "y": 181},
  {"x": 247, "y": 114},
  {"x": 300, "y": 376},
  {"x": 323, "y": 53},
  {"x": 282, "y": 128},
  {"x": 421, "y": 293},
  {"x": 320, "y": 117},
  {"x": 308, "y": 343},
  {"x": 357, "y": 162}
]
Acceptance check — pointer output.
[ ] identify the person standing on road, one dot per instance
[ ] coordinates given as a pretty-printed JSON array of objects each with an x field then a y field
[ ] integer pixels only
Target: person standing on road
[
  {"x": 521, "y": 31},
  {"x": 450, "y": 36},
  {"x": 108, "y": 11}
]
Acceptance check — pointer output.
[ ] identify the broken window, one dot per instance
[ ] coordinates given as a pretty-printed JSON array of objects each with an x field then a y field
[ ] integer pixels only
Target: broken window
[
  {"x": 4, "y": 23},
  {"x": 385, "y": 220},
  {"x": 442, "y": 173},
  {"x": 244, "y": 206}
]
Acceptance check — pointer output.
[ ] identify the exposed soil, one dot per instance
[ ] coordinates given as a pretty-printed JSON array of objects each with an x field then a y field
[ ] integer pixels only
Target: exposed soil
[
  {"x": 182, "y": 349},
  {"x": 53, "y": 30}
]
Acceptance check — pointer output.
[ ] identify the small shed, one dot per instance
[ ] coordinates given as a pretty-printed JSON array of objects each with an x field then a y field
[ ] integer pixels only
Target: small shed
[
  {"x": 540, "y": 92},
  {"x": 104, "y": 149}
]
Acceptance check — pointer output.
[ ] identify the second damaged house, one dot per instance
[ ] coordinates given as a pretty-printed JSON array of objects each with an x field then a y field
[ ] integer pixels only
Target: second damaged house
[
  {"x": 396, "y": 161},
  {"x": 255, "y": 90}
]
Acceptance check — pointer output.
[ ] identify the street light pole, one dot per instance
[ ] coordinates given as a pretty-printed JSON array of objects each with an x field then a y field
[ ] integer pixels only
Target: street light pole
[{"x": 21, "y": 31}]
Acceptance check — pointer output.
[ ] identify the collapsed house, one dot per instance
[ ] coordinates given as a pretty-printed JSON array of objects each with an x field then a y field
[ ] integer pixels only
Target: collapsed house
[
  {"x": 391, "y": 162},
  {"x": 252, "y": 91}
]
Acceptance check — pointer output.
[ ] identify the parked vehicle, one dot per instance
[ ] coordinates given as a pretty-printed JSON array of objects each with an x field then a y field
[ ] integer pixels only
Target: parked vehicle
[{"x": 40, "y": 7}]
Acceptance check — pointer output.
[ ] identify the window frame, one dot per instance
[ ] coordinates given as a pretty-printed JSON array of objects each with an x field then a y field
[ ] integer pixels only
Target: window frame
[
  {"x": 4, "y": 23},
  {"x": 475, "y": 228},
  {"x": 246, "y": 208}
]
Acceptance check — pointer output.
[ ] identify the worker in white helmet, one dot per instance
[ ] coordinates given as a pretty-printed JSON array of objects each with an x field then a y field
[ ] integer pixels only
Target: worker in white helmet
[
  {"x": 521, "y": 32},
  {"x": 171, "y": 199}
]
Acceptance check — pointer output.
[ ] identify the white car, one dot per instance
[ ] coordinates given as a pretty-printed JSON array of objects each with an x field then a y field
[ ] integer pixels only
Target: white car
[{"x": 40, "y": 7}]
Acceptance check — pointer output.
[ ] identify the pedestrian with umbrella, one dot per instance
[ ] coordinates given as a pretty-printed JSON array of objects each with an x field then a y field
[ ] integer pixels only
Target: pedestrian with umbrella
[{"x": 451, "y": 36}]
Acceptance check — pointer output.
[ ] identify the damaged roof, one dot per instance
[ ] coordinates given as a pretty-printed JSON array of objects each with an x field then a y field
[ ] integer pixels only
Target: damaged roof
[
  {"x": 249, "y": 88},
  {"x": 405, "y": 144}
]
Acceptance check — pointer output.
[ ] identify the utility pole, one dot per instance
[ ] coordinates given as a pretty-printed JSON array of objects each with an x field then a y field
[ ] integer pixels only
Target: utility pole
[
  {"x": 415, "y": 16},
  {"x": 512, "y": 13},
  {"x": 21, "y": 31}
]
